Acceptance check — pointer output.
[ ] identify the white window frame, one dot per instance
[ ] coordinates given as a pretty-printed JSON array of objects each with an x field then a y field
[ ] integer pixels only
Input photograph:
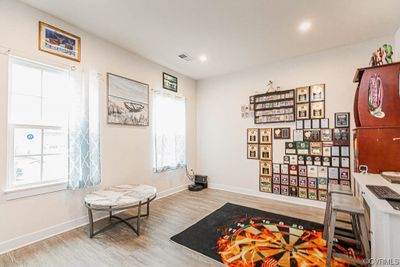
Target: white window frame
[{"x": 13, "y": 191}]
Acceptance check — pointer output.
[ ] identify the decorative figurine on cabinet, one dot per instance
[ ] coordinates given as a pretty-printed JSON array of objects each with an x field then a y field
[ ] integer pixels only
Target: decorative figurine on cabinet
[
  {"x": 372, "y": 62},
  {"x": 379, "y": 57},
  {"x": 388, "y": 53}
]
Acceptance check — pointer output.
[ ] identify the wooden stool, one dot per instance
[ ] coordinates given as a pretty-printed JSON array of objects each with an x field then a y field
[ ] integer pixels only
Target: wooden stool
[
  {"x": 352, "y": 206},
  {"x": 333, "y": 189}
]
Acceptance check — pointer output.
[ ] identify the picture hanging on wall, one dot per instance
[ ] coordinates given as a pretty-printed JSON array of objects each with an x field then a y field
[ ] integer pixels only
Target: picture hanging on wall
[
  {"x": 252, "y": 135},
  {"x": 312, "y": 135},
  {"x": 326, "y": 135},
  {"x": 303, "y": 111},
  {"x": 342, "y": 120},
  {"x": 265, "y": 136},
  {"x": 324, "y": 123},
  {"x": 317, "y": 110},
  {"x": 317, "y": 92},
  {"x": 265, "y": 168},
  {"x": 341, "y": 136},
  {"x": 299, "y": 124},
  {"x": 307, "y": 124},
  {"x": 252, "y": 151},
  {"x": 282, "y": 133},
  {"x": 128, "y": 101},
  {"x": 303, "y": 94},
  {"x": 265, "y": 152},
  {"x": 58, "y": 42},
  {"x": 170, "y": 82}
]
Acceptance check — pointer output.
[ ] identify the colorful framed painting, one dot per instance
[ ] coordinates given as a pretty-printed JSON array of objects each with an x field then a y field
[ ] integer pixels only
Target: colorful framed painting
[
  {"x": 170, "y": 82},
  {"x": 317, "y": 92},
  {"x": 58, "y": 42},
  {"x": 128, "y": 101}
]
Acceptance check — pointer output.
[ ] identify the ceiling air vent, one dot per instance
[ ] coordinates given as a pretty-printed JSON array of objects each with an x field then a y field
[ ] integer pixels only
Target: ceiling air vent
[{"x": 185, "y": 57}]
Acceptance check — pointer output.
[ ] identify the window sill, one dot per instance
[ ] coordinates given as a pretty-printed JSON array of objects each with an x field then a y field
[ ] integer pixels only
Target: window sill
[{"x": 21, "y": 192}]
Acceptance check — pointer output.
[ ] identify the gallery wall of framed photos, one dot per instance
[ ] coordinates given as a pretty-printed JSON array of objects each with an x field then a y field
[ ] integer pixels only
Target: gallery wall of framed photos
[{"x": 316, "y": 150}]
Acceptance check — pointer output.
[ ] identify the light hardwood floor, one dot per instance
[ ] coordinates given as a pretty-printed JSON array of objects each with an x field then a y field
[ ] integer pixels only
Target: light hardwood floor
[{"x": 121, "y": 247}]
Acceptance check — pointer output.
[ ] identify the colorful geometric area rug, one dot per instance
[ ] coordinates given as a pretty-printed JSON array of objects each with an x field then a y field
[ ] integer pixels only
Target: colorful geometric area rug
[{"x": 239, "y": 236}]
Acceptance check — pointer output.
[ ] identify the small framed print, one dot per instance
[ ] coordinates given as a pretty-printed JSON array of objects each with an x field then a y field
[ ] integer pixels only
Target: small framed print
[
  {"x": 299, "y": 124},
  {"x": 312, "y": 182},
  {"x": 322, "y": 195},
  {"x": 333, "y": 173},
  {"x": 265, "y": 184},
  {"x": 315, "y": 124},
  {"x": 170, "y": 82},
  {"x": 265, "y": 168},
  {"x": 282, "y": 133},
  {"x": 286, "y": 159},
  {"x": 345, "y": 162},
  {"x": 302, "y": 169},
  {"x": 265, "y": 188},
  {"x": 317, "y": 92},
  {"x": 322, "y": 183},
  {"x": 344, "y": 173},
  {"x": 309, "y": 160},
  {"x": 293, "y": 159},
  {"x": 303, "y": 111},
  {"x": 342, "y": 120},
  {"x": 345, "y": 151},
  {"x": 333, "y": 181},
  {"x": 276, "y": 179},
  {"x": 307, "y": 124},
  {"x": 316, "y": 148},
  {"x": 341, "y": 136},
  {"x": 303, "y": 148},
  {"x": 345, "y": 182},
  {"x": 317, "y": 160},
  {"x": 276, "y": 189},
  {"x": 265, "y": 136},
  {"x": 317, "y": 110},
  {"x": 326, "y": 151},
  {"x": 293, "y": 191},
  {"x": 252, "y": 151},
  {"x": 293, "y": 169},
  {"x": 290, "y": 148},
  {"x": 303, "y": 181},
  {"x": 335, "y": 162},
  {"x": 326, "y": 135},
  {"x": 301, "y": 160},
  {"x": 303, "y": 94},
  {"x": 265, "y": 152},
  {"x": 284, "y": 190},
  {"x": 284, "y": 169},
  {"x": 252, "y": 135},
  {"x": 312, "y": 194},
  {"x": 324, "y": 123},
  {"x": 312, "y": 135},
  {"x": 303, "y": 192},
  {"x": 323, "y": 172},
  {"x": 276, "y": 168},
  {"x": 297, "y": 135},
  {"x": 335, "y": 151},
  {"x": 285, "y": 179},
  {"x": 293, "y": 180},
  {"x": 326, "y": 161},
  {"x": 312, "y": 171}
]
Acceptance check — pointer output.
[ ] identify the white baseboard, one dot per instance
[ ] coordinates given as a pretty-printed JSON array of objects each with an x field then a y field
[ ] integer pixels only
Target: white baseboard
[
  {"x": 31, "y": 238},
  {"x": 293, "y": 200}
]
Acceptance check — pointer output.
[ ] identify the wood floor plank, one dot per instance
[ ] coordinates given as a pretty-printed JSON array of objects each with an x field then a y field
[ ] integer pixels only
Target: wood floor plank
[{"x": 120, "y": 247}]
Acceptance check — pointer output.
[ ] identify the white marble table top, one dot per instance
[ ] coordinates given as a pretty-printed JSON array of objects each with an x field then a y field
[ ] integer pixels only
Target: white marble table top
[{"x": 121, "y": 195}]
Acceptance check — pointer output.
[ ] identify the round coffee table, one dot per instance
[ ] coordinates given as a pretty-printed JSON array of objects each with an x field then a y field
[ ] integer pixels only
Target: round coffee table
[{"x": 118, "y": 198}]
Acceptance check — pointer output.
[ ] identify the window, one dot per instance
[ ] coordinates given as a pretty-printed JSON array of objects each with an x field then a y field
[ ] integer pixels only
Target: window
[
  {"x": 169, "y": 131},
  {"x": 38, "y": 124}
]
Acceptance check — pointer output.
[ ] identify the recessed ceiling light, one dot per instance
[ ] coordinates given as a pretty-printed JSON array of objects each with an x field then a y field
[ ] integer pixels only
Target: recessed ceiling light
[
  {"x": 203, "y": 58},
  {"x": 305, "y": 26}
]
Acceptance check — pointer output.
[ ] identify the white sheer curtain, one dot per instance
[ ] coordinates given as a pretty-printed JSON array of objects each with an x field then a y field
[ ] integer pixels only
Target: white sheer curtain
[
  {"x": 84, "y": 131},
  {"x": 169, "y": 131}
]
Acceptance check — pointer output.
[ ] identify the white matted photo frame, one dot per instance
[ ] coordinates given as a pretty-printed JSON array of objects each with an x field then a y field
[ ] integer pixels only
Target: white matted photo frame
[
  {"x": 128, "y": 101},
  {"x": 317, "y": 92},
  {"x": 303, "y": 94},
  {"x": 342, "y": 120},
  {"x": 317, "y": 110},
  {"x": 59, "y": 42}
]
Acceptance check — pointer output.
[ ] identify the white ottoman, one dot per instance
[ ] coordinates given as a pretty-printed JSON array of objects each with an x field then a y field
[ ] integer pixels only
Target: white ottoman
[{"x": 117, "y": 198}]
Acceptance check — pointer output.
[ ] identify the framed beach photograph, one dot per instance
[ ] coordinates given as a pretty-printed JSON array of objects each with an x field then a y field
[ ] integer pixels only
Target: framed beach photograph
[
  {"x": 342, "y": 120},
  {"x": 303, "y": 94},
  {"x": 317, "y": 92},
  {"x": 128, "y": 101},
  {"x": 170, "y": 82},
  {"x": 58, "y": 42}
]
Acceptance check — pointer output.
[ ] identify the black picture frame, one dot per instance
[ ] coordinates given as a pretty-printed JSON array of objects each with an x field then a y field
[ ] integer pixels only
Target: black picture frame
[
  {"x": 342, "y": 120},
  {"x": 170, "y": 82}
]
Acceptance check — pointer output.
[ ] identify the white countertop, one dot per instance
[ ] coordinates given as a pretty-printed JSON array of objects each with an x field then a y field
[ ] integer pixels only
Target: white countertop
[{"x": 375, "y": 179}]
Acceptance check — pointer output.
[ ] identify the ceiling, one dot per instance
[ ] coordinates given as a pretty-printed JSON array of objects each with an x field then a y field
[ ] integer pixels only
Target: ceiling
[{"x": 234, "y": 34}]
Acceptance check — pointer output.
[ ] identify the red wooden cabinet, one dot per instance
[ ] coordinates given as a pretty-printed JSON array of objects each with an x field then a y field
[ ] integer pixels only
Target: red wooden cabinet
[{"x": 377, "y": 138}]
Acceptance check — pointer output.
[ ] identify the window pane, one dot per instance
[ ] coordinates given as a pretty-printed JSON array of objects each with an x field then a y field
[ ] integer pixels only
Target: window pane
[
  {"x": 55, "y": 167},
  {"x": 54, "y": 84},
  {"x": 55, "y": 112},
  {"x": 25, "y": 109},
  {"x": 27, "y": 141},
  {"x": 26, "y": 170},
  {"x": 26, "y": 80},
  {"x": 55, "y": 142}
]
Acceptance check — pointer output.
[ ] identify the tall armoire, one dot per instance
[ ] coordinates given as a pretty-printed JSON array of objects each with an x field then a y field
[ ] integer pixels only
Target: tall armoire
[{"x": 377, "y": 117}]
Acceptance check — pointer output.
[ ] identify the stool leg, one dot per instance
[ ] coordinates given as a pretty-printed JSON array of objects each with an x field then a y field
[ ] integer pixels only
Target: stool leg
[
  {"x": 90, "y": 222},
  {"x": 148, "y": 207},
  {"x": 326, "y": 216},
  {"x": 331, "y": 234},
  {"x": 364, "y": 236},
  {"x": 138, "y": 217}
]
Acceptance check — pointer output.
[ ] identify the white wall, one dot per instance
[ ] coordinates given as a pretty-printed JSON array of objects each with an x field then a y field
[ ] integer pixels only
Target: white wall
[
  {"x": 126, "y": 151},
  {"x": 397, "y": 45},
  {"x": 221, "y": 132}
]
